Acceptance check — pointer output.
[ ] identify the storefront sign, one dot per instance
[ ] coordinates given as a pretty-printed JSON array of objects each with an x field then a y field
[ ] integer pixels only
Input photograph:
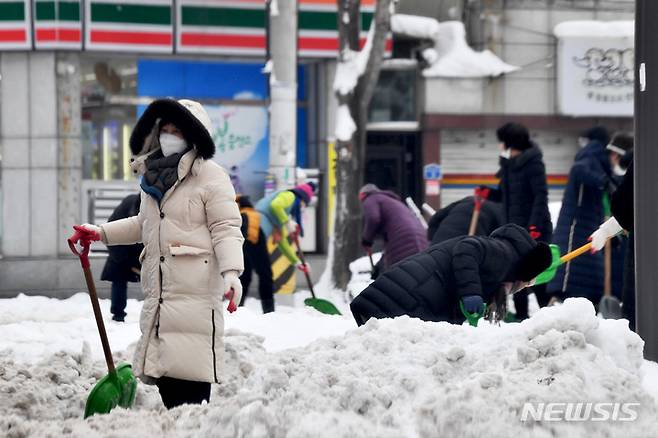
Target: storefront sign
[
  {"x": 432, "y": 171},
  {"x": 15, "y": 31},
  {"x": 57, "y": 24},
  {"x": 595, "y": 71}
]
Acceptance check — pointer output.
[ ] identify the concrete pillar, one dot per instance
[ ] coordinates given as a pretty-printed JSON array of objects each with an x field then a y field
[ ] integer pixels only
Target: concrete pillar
[
  {"x": 283, "y": 92},
  {"x": 28, "y": 132},
  {"x": 69, "y": 120}
]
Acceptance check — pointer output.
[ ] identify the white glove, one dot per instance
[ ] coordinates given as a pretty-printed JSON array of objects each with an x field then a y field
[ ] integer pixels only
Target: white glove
[
  {"x": 291, "y": 226},
  {"x": 607, "y": 230},
  {"x": 232, "y": 281}
]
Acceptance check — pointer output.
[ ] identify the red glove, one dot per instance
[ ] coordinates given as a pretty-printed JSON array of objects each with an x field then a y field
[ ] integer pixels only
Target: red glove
[{"x": 534, "y": 232}]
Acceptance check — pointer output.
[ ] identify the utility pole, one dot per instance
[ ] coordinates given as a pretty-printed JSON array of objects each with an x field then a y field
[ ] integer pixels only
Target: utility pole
[
  {"x": 282, "y": 63},
  {"x": 646, "y": 181}
]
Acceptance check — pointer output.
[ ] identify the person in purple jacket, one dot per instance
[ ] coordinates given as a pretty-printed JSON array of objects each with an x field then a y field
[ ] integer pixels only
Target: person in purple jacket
[{"x": 387, "y": 217}]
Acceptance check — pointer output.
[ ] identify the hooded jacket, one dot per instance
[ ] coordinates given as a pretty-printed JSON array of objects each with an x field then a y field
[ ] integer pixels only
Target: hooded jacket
[
  {"x": 455, "y": 219},
  {"x": 429, "y": 285},
  {"x": 191, "y": 238},
  {"x": 580, "y": 215},
  {"x": 386, "y": 216}
]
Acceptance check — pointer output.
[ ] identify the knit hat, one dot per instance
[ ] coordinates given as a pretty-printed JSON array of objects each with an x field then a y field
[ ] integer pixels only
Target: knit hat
[
  {"x": 514, "y": 136},
  {"x": 188, "y": 115},
  {"x": 305, "y": 191},
  {"x": 598, "y": 133},
  {"x": 534, "y": 262}
]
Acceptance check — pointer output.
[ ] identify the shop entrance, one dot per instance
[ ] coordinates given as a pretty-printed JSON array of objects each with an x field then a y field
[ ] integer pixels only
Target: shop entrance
[{"x": 394, "y": 161}]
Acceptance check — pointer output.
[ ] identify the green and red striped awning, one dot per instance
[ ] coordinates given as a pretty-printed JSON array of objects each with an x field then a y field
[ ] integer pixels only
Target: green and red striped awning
[
  {"x": 232, "y": 27},
  {"x": 57, "y": 24},
  {"x": 15, "y": 29}
]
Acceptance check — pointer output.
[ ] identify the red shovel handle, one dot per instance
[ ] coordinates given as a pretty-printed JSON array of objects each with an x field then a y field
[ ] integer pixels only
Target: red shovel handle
[
  {"x": 481, "y": 194},
  {"x": 84, "y": 237}
]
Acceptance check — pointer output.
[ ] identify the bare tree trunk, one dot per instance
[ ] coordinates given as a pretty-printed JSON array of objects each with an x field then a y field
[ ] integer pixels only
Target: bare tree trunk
[{"x": 351, "y": 154}]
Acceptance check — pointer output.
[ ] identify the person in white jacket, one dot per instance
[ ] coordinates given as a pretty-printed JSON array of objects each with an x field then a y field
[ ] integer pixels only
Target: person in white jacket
[{"x": 192, "y": 259}]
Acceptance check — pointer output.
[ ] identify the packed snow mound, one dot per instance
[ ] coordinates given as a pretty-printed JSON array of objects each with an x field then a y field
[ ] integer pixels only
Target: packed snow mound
[
  {"x": 451, "y": 56},
  {"x": 389, "y": 378},
  {"x": 456, "y": 59}
]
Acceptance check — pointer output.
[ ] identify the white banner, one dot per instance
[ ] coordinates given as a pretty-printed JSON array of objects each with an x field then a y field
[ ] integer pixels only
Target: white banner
[{"x": 595, "y": 76}]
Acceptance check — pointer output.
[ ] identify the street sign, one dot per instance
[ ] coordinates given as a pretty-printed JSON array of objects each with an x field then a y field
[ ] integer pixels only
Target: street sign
[{"x": 432, "y": 171}]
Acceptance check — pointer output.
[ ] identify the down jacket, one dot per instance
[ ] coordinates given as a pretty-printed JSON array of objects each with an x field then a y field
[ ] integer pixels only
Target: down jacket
[
  {"x": 190, "y": 239},
  {"x": 429, "y": 285},
  {"x": 123, "y": 260},
  {"x": 524, "y": 191},
  {"x": 455, "y": 219},
  {"x": 580, "y": 215},
  {"x": 386, "y": 216}
]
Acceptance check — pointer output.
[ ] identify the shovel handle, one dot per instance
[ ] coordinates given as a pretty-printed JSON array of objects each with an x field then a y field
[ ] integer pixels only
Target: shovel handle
[
  {"x": 83, "y": 238},
  {"x": 301, "y": 257},
  {"x": 575, "y": 253}
]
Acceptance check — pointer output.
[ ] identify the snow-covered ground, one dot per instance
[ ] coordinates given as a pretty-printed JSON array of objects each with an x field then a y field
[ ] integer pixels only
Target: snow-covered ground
[{"x": 298, "y": 373}]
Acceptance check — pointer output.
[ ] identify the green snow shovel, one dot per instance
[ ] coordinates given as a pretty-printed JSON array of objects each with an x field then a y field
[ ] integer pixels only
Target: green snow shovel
[
  {"x": 549, "y": 273},
  {"x": 472, "y": 318},
  {"x": 119, "y": 386},
  {"x": 318, "y": 304}
]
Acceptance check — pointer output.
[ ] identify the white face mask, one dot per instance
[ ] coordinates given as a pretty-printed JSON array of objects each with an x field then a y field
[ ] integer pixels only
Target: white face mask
[
  {"x": 583, "y": 141},
  {"x": 618, "y": 170},
  {"x": 507, "y": 153},
  {"x": 170, "y": 144}
]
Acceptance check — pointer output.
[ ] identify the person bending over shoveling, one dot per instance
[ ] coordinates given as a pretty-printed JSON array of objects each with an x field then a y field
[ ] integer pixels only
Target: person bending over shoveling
[
  {"x": 190, "y": 226},
  {"x": 472, "y": 269}
]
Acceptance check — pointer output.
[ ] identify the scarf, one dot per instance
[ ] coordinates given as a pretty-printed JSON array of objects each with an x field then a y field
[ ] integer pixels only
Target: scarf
[{"x": 161, "y": 174}]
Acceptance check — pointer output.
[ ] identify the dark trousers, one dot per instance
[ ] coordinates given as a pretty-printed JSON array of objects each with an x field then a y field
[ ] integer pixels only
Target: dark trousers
[
  {"x": 628, "y": 291},
  {"x": 256, "y": 258},
  {"x": 176, "y": 392},
  {"x": 119, "y": 299},
  {"x": 521, "y": 300}
]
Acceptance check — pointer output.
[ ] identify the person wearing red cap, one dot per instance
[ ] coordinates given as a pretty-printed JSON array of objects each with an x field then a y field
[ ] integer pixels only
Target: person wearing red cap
[{"x": 281, "y": 216}]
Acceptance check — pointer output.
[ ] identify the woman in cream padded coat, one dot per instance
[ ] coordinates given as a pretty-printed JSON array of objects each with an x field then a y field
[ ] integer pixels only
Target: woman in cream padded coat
[{"x": 190, "y": 226}]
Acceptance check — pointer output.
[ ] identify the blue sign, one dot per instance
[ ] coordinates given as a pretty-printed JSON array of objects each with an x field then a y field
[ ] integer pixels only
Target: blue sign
[{"x": 432, "y": 171}]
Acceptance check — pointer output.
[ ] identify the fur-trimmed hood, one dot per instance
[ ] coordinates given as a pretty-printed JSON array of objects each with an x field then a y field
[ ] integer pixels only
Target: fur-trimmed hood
[{"x": 188, "y": 116}]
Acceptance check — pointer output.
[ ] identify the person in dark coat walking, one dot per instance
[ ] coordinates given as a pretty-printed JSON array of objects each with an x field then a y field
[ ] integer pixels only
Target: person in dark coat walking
[
  {"x": 256, "y": 256},
  {"x": 580, "y": 215},
  {"x": 523, "y": 191},
  {"x": 454, "y": 220},
  {"x": 122, "y": 265},
  {"x": 473, "y": 269},
  {"x": 386, "y": 216},
  {"x": 622, "y": 204}
]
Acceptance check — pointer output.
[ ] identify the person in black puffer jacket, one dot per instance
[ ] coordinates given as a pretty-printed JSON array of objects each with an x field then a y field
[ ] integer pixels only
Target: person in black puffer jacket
[
  {"x": 453, "y": 220},
  {"x": 580, "y": 215},
  {"x": 122, "y": 265},
  {"x": 523, "y": 191},
  {"x": 474, "y": 269}
]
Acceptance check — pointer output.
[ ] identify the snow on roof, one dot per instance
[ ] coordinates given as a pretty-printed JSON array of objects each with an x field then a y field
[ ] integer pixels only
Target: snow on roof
[
  {"x": 456, "y": 59},
  {"x": 414, "y": 26},
  {"x": 595, "y": 29}
]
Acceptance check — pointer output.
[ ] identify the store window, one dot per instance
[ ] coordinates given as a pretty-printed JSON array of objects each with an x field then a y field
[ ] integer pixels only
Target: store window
[
  {"x": 394, "y": 99},
  {"x": 115, "y": 92}
]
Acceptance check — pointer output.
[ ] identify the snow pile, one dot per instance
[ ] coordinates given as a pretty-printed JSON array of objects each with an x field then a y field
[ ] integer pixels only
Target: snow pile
[
  {"x": 454, "y": 57},
  {"x": 389, "y": 378},
  {"x": 361, "y": 274},
  {"x": 415, "y": 26},
  {"x": 597, "y": 29},
  {"x": 451, "y": 56}
]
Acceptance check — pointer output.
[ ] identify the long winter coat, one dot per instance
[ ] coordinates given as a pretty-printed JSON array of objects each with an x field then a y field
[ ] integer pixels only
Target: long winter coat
[
  {"x": 523, "y": 192},
  {"x": 580, "y": 215},
  {"x": 455, "y": 219},
  {"x": 123, "y": 260},
  {"x": 190, "y": 239},
  {"x": 386, "y": 216},
  {"x": 429, "y": 285}
]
